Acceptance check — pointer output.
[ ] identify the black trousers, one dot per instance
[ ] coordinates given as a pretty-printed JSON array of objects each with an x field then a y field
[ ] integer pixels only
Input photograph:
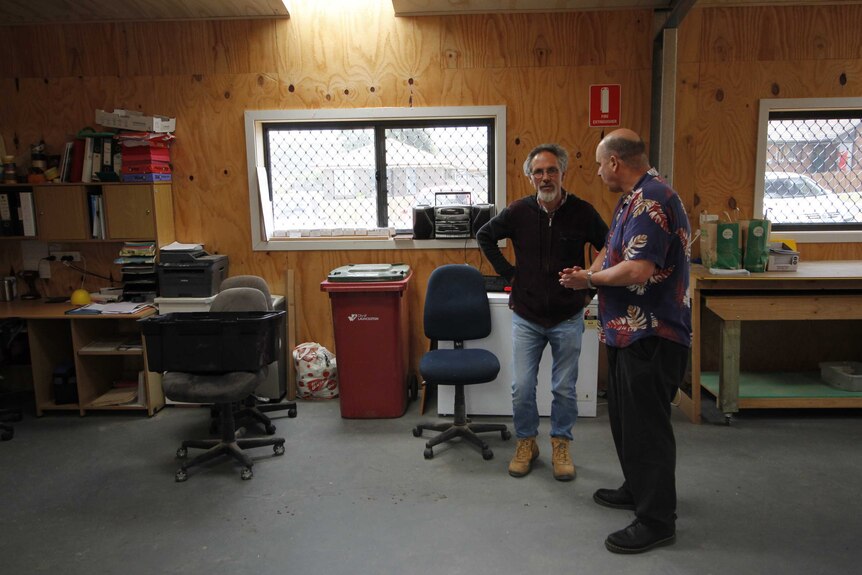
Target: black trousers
[{"x": 642, "y": 381}]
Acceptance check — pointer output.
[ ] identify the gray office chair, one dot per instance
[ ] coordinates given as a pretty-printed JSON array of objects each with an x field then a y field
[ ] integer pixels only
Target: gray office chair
[
  {"x": 457, "y": 310},
  {"x": 255, "y": 407},
  {"x": 224, "y": 390}
]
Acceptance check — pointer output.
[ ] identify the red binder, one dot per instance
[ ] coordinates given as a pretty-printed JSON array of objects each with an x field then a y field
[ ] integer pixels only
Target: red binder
[{"x": 77, "y": 160}]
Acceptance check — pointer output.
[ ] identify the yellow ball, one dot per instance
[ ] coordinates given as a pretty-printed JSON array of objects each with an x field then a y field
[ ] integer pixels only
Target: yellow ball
[{"x": 80, "y": 297}]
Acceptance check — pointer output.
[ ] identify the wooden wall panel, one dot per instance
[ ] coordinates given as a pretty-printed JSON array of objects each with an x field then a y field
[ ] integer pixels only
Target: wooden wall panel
[
  {"x": 355, "y": 55},
  {"x": 749, "y": 54},
  {"x": 768, "y": 33}
]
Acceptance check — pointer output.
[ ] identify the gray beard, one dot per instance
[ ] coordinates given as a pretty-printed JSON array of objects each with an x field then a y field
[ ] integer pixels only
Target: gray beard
[{"x": 547, "y": 197}]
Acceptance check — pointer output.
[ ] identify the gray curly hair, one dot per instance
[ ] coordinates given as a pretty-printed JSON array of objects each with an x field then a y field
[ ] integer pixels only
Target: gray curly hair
[{"x": 556, "y": 149}]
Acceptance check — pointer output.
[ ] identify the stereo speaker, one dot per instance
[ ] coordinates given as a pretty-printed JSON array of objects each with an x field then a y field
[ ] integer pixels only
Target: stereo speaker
[
  {"x": 423, "y": 222},
  {"x": 480, "y": 214}
]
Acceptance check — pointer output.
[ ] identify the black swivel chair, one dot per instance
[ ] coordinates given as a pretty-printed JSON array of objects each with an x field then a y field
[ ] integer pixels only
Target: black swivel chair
[
  {"x": 457, "y": 310},
  {"x": 7, "y": 416},
  {"x": 254, "y": 407},
  {"x": 224, "y": 390}
]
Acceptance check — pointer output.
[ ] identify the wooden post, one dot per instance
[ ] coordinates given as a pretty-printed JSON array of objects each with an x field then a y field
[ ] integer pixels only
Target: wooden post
[{"x": 290, "y": 326}]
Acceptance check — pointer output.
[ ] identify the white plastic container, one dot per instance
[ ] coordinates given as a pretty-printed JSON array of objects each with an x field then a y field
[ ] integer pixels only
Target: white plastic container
[{"x": 846, "y": 375}]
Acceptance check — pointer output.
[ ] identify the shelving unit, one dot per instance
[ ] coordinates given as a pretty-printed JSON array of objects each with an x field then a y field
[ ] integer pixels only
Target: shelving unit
[
  {"x": 56, "y": 338},
  {"x": 131, "y": 212}
]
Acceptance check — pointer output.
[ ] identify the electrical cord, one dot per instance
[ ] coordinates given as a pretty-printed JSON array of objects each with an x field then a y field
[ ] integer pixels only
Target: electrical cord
[{"x": 84, "y": 273}]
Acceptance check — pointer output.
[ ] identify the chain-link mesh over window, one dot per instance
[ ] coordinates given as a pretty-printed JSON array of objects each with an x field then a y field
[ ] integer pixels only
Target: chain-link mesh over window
[
  {"x": 343, "y": 178},
  {"x": 813, "y": 170}
]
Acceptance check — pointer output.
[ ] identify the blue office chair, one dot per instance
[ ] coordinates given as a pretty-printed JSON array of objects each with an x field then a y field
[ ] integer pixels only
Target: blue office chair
[
  {"x": 225, "y": 390},
  {"x": 457, "y": 310}
]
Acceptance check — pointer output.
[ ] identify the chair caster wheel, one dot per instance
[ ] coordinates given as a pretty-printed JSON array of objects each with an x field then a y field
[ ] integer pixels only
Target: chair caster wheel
[
  {"x": 182, "y": 452},
  {"x": 487, "y": 454},
  {"x": 278, "y": 449},
  {"x": 181, "y": 476},
  {"x": 291, "y": 412},
  {"x": 428, "y": 453},
  {"x": 506, "y": 435},
  {"x": 269, "y": 429},
  {"x": 417, "y": 431},
  {"x": 246, "y": 473}
]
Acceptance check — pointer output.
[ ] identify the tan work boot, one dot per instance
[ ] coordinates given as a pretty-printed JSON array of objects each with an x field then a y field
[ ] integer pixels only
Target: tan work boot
[
  {"x": 564, "y": 469},
  {"x": 525, "y": 453}
]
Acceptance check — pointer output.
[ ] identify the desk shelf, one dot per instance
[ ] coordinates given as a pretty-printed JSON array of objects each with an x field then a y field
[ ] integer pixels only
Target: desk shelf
[{"x": 91, "y": 343}]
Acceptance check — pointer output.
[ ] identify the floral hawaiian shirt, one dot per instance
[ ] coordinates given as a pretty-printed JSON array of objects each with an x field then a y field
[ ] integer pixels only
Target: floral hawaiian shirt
[{"x": 649, "y": 223}]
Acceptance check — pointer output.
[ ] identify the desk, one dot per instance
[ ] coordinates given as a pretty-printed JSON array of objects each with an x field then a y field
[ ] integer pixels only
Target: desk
[
  {"x": 824, "y": 290},
  {"x": 93, "y": 343}
]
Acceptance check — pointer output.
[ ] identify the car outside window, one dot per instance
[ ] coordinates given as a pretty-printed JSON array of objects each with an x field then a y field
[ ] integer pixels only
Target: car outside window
[{"x": 809, "y": 168}]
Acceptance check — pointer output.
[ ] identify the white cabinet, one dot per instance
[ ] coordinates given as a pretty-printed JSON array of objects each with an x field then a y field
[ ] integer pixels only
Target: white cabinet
[{"x": 495, "y": 398}]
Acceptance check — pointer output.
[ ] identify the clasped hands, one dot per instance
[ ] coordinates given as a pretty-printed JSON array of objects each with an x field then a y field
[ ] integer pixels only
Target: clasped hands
[{"x": 574, "y": 278}]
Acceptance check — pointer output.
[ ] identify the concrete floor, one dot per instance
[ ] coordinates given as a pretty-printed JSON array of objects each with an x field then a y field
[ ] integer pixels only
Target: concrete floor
[{"x": 777, "y": 492}]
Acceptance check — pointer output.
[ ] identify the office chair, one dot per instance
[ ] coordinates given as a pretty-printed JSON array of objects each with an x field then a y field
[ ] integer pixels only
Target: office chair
[
  {"x": 7, "y": 431},
  {"x": 457, "y": 310},
  {"x": 254, "y": 407},
  {"x": 225, "y": 390}
]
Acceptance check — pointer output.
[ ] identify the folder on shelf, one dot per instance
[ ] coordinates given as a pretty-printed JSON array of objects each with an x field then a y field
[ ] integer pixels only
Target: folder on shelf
[
  {"x": 97, "y": 219},
  {"x": 6, "y": 226},
  {"x": 77, "y": 168},
  {"x": 87, "y": 168},
  {"x": 116, "y": 396},
  {"x": 65, "y": 168},
  {"x": 28, "y": 214}
]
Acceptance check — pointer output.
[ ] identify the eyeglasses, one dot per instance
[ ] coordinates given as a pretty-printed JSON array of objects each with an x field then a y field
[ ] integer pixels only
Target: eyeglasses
[{"x": 551, "y": 172}]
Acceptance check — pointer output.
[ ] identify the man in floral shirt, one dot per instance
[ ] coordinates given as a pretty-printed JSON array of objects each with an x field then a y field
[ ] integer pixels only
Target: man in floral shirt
[{"x": 642, "y": 276}]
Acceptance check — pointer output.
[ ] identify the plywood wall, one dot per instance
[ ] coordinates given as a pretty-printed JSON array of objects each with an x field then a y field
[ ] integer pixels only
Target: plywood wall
[
  {"x": 730, "y": 59},
  {"x": 357, "y": 54}
]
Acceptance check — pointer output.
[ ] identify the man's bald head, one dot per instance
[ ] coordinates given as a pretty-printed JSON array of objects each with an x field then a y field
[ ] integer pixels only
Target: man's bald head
[{"x": 626, "y": 146}]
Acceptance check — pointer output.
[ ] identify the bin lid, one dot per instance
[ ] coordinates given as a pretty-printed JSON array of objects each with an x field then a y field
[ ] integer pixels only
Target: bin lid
[{"x": 369, "y": 273}]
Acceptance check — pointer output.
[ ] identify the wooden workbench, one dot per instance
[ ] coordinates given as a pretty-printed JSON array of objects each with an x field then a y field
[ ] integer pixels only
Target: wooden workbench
[{"x": 773, "y": 361}]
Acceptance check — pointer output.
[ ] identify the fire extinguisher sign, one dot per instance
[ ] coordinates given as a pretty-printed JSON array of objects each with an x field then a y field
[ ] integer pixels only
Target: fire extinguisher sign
[{"x": 604, "y": 105}]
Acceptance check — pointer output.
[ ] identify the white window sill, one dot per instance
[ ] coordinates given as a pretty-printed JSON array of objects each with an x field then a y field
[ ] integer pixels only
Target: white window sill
[
  {"x": 370, "y": 243},
  {"x": 820, "y": 237}
]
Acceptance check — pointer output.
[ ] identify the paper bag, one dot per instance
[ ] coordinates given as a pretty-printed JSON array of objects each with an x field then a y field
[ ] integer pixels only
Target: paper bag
[
  {"x": 720, "y": 245},
  {"x": 755, "y": 235}
]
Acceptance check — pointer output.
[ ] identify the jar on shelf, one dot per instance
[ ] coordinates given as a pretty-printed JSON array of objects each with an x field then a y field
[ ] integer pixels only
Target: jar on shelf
[{"x": 9, "y": 170}]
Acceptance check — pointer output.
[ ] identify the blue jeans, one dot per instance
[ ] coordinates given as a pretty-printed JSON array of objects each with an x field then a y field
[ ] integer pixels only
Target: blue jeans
[{"x": 528, "y": 342}]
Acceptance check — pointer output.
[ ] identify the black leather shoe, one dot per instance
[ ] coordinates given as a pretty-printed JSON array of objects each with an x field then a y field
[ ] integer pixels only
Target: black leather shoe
[
  {"x": 637, "y": 538},
  {"x": 615, "y": 498}
]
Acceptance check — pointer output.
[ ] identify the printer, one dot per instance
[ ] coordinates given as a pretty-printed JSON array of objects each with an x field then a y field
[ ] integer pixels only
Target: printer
[{"x": 190, "y": 273}]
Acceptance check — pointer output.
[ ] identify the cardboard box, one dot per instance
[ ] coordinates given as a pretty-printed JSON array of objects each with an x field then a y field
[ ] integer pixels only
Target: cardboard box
[
  {"x": 137, "y": 121},
  {"x": 782, "y": 258}
]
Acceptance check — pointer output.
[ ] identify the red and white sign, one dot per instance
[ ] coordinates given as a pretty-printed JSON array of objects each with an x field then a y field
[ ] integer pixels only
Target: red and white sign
[{"x": 604, "y": 105}]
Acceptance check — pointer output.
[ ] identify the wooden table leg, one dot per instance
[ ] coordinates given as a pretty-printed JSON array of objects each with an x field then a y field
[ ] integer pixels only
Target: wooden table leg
[{"x": 728, "y": 371}]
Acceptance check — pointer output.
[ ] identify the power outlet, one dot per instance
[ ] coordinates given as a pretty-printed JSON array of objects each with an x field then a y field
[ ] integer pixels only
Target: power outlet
[
  {"x": 44, "y": 269},
  {"x": 76, "y": 256}
]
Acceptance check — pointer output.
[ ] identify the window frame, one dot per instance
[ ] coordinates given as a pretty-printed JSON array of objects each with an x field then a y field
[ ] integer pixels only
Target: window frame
[
  {"x": 768, "y": 106},
  {"x": 255, "y": 120}
]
